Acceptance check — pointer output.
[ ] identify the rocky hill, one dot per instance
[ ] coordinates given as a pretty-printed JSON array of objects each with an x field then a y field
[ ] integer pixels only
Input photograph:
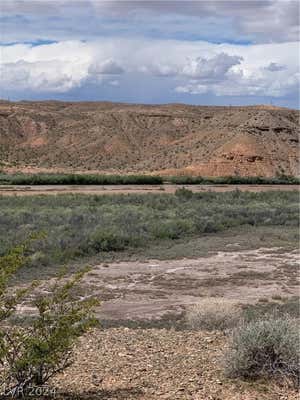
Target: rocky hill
[{"x": 164, "y": 139}]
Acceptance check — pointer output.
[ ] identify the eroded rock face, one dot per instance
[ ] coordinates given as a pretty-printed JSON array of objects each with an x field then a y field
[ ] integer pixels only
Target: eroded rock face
[{"x": 169, "y": 139}]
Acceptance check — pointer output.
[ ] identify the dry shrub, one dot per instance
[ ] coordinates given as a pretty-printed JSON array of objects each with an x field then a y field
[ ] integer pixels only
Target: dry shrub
[
  {"x": 213, "y": 314},
  {"x": 264, "y": 348}
]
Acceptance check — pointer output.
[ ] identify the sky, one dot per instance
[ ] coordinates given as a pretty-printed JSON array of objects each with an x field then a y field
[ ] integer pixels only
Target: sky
[{"x": 228, "y": 52}]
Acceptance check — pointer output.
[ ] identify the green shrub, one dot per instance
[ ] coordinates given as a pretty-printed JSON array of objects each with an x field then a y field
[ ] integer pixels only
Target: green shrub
[
  {"x": 107, "y": 240},
  {"x": 184, "y": 193},
  {"x": 32, "y": 354},
  {"x": 264, "y": 348},
  {"x": 173, "y": 229}
]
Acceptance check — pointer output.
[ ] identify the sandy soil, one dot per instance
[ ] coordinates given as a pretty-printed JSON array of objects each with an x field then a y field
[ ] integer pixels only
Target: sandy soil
[
  {"x": 123, "y": 189},
  {"x": 156, "y": 288}
]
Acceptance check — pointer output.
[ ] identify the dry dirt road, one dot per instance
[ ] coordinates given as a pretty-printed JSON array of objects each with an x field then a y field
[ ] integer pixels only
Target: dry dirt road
[{"x": 125, "y": 189}]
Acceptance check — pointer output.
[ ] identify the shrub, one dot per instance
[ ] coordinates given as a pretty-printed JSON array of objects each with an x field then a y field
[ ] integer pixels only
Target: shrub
[
  {"x": 108, "y": 240},
  {"x": 184, "y": 193},
  {"x": 31, "y": 355},
  {"x": 264, "y": 348},
  {"x": 172, "y": 229},
  {"x": 213, "y": 314},
  {"x": 288, "y": 307}
]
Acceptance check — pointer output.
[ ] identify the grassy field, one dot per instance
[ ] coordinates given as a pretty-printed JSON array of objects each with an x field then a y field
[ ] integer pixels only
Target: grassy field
[
  {"x": 96, "y": 179},
  {"x": 79, "y": 227}
]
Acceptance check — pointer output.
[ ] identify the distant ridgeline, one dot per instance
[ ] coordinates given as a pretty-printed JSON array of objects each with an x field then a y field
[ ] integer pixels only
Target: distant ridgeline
[{"x": 164, "y": 140}]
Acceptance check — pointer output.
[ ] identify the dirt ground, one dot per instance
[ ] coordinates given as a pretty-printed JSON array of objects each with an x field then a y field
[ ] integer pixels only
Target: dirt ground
[
  {"x": 152, "y": 289},
  {"x": 149, "y": 290},
  {"x": 142, "y": 189},
  {"x": 121, "y": 361},
  {"x": 157, "y": 364}
]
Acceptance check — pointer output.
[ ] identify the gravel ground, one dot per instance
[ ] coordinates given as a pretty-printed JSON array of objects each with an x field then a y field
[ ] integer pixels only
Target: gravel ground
[{"x": 123, "y": 363}]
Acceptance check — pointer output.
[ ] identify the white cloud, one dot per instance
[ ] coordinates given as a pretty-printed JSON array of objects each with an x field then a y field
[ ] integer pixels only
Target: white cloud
[
  {"x": 275, "y": 67},
  {"x": 190, "y": 67},
  {"x": 46, "y": 76},
  {"x": 210, "y": 68},
  {"x": 108, "y": 67}
]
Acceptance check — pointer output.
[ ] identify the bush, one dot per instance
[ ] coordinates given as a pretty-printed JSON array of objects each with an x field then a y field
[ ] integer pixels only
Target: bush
[
  {"x": 108, "y": 240},
  {"x": 213, "y": 314},
  {"x": 31, "y": 355},
  {"x": 172, "y": 229},
  {"x": 184, "y": 193},
  {"x": 264, "y": 348}
]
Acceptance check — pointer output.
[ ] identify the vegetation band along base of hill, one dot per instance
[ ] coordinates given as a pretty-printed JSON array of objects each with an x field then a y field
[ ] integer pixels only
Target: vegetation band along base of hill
[{"x": 97, "y": 179}]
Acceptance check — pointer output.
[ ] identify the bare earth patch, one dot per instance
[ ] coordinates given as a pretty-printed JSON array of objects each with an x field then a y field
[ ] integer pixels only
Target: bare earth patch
[
  {"x": 141, "y": 189},
  {"x": 150, "y": 290}
]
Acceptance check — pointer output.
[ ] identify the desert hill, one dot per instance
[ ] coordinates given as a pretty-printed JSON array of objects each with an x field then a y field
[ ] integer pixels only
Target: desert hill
[{"x": 164, "y": 139}]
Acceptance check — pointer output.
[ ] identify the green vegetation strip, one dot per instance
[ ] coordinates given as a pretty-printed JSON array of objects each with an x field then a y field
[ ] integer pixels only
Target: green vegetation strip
[
  {"x": 77, "y": 226},
  {"x": 234, "y": 180},
  {"x": 96, "y": 179},
  {"x": 78, "y": 179}
]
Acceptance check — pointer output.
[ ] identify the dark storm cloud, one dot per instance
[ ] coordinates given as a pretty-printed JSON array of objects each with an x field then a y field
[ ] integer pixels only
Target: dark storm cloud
[{"x": 259, "y": 21}]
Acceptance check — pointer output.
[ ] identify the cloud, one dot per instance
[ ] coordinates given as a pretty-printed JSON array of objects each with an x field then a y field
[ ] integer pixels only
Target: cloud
[
  {"x": 263, "y": 20},
  {"x": 114, "y": 83},
  {"x": 260, "y": 21},
  {"x": 47, "y": 76},
  {"x": 108, "y": 67},
  {"x": 240, "y": 83},
  {"x": 275, "y": 67},
  {"x": 56, "y": 67},
  {"x": 185, "y": 67},
  {"x": 210, "y": 68}
]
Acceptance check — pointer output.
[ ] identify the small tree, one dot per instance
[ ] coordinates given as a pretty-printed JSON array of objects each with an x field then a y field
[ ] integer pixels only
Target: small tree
[{"x": 31, "y": 355}]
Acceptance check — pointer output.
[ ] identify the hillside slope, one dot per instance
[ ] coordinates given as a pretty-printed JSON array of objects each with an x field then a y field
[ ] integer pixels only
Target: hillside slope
[{"x": 166, "y": 139}]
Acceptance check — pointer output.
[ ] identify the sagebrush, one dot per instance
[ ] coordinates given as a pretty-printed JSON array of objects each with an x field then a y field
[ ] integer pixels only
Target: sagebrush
[{"x": 265, "y": 348}]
